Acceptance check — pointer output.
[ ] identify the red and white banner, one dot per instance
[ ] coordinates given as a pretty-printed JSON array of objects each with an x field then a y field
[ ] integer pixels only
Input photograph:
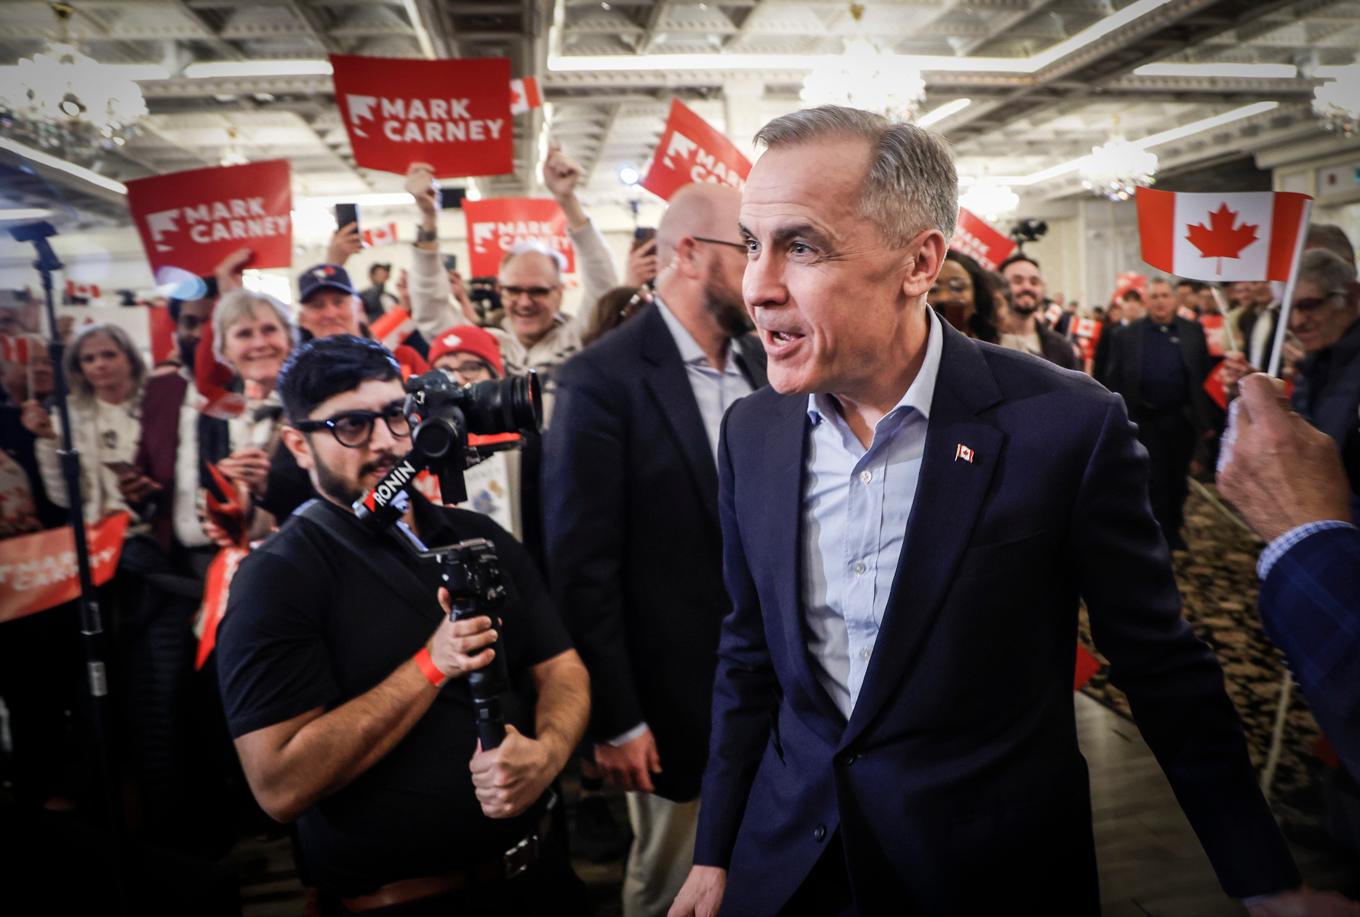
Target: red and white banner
[
  {"x": 1254, "y": 235},
  {"x": 691, "y": 150},
  {"x": 974, "y": 237},
  {"x": 192, "y": 220},
  {"x": 524, "y": 95},
  {"x": 38, "y": 571},
  {"x": 386, "y": 234},
  {"x": 495, "y": 226},
  {"x": 77, "y": 290},
  {"x": 452, "y": 114}
]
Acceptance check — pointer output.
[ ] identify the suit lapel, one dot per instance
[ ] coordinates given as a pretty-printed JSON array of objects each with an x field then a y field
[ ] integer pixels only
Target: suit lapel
[
  {"x": 949, "y": 495},
  {"x": 785, "y": 456},
  {"x": 668, "y": 384}
]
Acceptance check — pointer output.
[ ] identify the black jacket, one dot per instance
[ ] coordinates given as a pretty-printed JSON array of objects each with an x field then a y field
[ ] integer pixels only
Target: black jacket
[
  {"x": 1125, "y": 370},
  {"x": 634, "y": 553}
]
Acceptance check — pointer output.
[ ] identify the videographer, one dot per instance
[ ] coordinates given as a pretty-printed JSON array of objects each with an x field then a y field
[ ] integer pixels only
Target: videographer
[{"x": 344, "y": 682}]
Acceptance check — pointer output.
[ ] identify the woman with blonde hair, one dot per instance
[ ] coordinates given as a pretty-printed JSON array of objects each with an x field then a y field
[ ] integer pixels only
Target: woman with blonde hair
[{"x": 105, "y": 376}]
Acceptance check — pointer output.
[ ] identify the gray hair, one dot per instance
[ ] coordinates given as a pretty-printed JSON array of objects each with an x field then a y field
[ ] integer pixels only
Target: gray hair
[
  {"x": 1327, "y": 269},
  {"x": 912, "y": 184},
  {"x": 75, "y": 379},
  {"x": 242, "y": 304},
  {"x": 558, "y": 259},
  {"x": 1333, "y": 238}
]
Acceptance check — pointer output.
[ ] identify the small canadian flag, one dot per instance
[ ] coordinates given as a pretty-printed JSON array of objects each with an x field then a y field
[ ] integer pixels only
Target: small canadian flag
[
  {"x": 1251, "y": 235},
  {"x": 16, "y": 349},
  {"x": 385, "y": 234},
  {"x": 524, "y": 95},
  {"x": 75, "y": 289},
  {"x": 1053, "y": 313},
  {"x": 963, "y": 454}
]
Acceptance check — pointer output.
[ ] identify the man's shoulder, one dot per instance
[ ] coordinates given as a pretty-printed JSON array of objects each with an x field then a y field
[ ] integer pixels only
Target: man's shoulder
[{"x": 619, "y": 350}]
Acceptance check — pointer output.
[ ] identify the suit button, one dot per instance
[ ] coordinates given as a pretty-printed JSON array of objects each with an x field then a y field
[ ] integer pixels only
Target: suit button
[
  {"x": 847, "y": 758},
  {"x": 819, "y": 833}
]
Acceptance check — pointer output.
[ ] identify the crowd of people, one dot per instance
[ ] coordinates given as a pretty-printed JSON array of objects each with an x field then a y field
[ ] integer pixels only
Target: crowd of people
[{"x": 748, "y": 428}]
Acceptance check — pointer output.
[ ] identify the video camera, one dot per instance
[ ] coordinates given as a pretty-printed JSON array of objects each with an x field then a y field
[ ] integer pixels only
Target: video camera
[
  {"x": 443, "y": 415},
  {"x": 445, "y": 418}
]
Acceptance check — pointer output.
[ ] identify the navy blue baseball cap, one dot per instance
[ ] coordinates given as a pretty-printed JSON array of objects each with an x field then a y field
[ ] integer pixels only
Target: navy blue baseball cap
[{"x": 324, "y": 275}]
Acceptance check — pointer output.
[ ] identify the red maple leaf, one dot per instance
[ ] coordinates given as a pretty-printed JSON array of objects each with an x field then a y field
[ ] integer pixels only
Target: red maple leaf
[{"x": 1221, "y": 239}]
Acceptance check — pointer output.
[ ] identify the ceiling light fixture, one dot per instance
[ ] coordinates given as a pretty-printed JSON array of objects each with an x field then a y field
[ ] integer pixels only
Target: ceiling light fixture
[
  {"x": 990, "y": 199},
  {"x": 249, "y": 68},
  {"x": 1116, "y": 168},
  {"x": 61, "y": 165},
  {"x": 1337, "y": 102},
  {"x": 936, "y": 115},
  {"x": 67, "y": 101},
  {"x": 865, "y": 76},
  {"x": 1221, "y": 70}
]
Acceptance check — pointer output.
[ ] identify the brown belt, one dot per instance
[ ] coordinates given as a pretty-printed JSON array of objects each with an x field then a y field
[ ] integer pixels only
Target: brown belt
[{"x": 508, "y": 865}]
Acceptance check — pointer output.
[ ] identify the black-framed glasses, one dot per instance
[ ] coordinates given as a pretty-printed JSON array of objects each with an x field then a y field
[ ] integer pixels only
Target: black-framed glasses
[
  {"x": 354, "y": 428},
  {"x": 1315, "y": 303},
  {"x": 535, "y": 293},
  {"x": 739, "y": 246}
]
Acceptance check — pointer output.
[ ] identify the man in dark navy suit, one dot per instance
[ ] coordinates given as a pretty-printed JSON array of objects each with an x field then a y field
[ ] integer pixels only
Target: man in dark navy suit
[
  {"x": 909, "y": 520},
  {"x": 630, "y": 493}
]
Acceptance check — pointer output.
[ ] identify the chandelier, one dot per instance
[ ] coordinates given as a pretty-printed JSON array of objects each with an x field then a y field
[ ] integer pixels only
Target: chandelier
[
  {"x": 865, "y": 76},
  {"x": 1337, "y": 102},
  {"x": 990, "y": 200},
  {"x": 1116, "y": 168},
  {"x": 65, "y": 100}
]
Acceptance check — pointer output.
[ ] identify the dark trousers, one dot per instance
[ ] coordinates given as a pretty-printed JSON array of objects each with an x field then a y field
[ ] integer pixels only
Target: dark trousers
[{"x": 1169, "y": 438}]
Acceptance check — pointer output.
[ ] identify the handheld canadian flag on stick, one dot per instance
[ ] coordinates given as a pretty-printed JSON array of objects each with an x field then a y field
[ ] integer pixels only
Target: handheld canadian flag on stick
[
  {"x": 524, "y": 95},
  {"x": 1250, "y": 235},
  {"x": 386, "y": 234}
]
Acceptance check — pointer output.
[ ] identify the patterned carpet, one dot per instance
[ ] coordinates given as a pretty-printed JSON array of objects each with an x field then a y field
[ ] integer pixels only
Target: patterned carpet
[{"x": 1217, "y": 578}]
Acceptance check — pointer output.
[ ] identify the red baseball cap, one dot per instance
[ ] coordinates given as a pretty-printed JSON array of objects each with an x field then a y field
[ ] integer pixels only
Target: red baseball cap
[{"x": 469, "y": 339}]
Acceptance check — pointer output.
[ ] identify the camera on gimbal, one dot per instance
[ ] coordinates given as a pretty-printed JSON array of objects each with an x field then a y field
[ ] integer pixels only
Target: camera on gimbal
[
  {"x": 443, "y": 414},
  {"x": 444, "y": 417}
]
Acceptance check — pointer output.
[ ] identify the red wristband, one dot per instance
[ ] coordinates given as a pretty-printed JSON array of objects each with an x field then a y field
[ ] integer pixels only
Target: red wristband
[{"x": 429, "y": 669}]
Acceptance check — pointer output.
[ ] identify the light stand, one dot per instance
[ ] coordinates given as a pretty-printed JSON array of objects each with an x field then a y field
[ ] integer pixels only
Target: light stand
[{"x": 91, "y": 619}]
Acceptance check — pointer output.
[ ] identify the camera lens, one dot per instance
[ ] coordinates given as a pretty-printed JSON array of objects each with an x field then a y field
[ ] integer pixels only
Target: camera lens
[
  {"x": 505, "y": 405},
  {"x": 436, "y": 436}
]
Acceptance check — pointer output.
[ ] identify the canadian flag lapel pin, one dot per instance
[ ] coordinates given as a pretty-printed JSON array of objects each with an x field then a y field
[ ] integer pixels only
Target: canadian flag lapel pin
[{"x": 963, "y": 453}]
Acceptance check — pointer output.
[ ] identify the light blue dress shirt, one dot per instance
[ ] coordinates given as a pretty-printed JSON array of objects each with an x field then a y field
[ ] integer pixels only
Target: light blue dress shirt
[
  {"x": 856, "y": 503},
  {"x": 714, "y": 391}
]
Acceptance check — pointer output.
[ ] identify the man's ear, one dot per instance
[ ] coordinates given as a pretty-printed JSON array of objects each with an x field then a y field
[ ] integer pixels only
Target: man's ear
[
  {"x": 686, "y": 259},
  {"x": 298, "y": 445},
  {"x": 926, "y": 252}
]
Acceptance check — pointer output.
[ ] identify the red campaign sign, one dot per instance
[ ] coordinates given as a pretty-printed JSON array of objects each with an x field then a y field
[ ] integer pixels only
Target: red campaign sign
[
  {"x": 452, "y": 114},
  {"x": 974, "y": 237},
  {"x": 39, "y": 570},
  {"x": 192, "y": 220},
  {"x": 496, "y": 226},
  {"x": 691, "y": 150}
]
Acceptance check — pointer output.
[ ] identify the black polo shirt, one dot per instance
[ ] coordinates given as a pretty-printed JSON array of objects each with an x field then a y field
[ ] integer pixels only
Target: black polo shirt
[{"x": 311, "y": 624}]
